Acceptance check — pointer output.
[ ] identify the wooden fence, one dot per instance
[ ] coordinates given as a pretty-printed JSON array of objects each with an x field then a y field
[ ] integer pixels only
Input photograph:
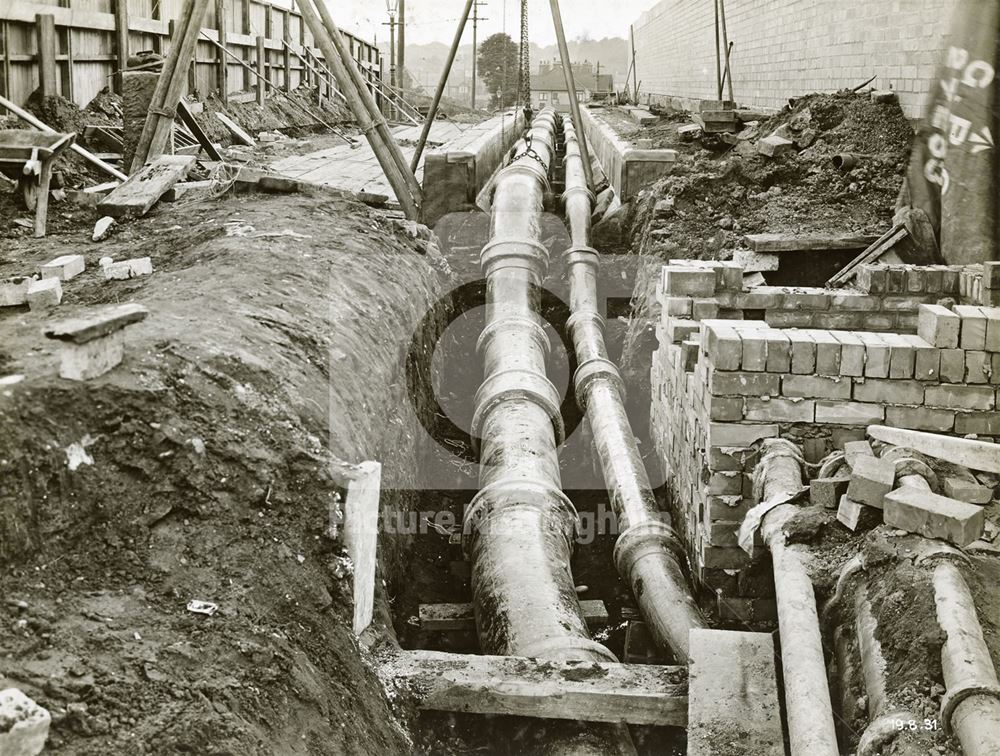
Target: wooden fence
[{"x": 74, "y": 48}]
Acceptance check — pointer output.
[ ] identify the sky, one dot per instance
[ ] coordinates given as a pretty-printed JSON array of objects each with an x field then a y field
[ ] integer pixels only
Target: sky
[{"x": 436, "y": 20}]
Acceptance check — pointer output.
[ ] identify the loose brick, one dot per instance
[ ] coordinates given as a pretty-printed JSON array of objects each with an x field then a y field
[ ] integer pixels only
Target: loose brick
[
  {"x": 889, "y": 392},
  {"x": 961, "y": 397},
  {"x": 939, "y": 326},
  {"x": 775, "y": 146},
  {"x": 722, "y": 383},
  {"x": 952, "y": 368},
  {"x": 968, "y": 490},
  {"x": 902, "y": 356},
  {"x": 721, "y": 558},
  {"x": 44, "y": 293},
  {"x": 679, "y": 330},
  {"x": 816, "y": 387},
  {"x": 849, "y": 413},
  {"x": 991, "y": 275},
  {"x": 725, "y": 484},
  {"x": 921, "y": 418},
  {"x": 853, "y": 450},
  {"x": 704, "y": 309},
  {"x": 64, "y": 267},
  {"x": 779, "y": 352},
  {"x": 856, "y": 516},
  {"x": 852, "y": 353},
  {"x": 826, "y": 492},
  {"x": 688, "y": 282},
  {"x": 918, "y": 511},
  {"x": 789, "y": 318},
  {"x": 677, "y": 307},
  {"x": 780, "y": 410},
  {"x": 803, "y": 352},
  {"x": 973, "y": 327},
  {"x": 723, "y": 533},
  {"x": 726, "y": 507},
  {"x": 871, "y": 479}
]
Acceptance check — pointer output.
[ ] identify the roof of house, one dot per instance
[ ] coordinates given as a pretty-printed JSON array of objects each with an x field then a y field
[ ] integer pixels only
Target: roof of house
[{"x": 555, "y": 81}]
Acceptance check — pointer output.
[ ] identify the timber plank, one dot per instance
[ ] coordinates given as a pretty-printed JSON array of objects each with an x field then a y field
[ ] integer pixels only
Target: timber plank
[
  {"x": 143, "y": 190},
  {"x": 442, "y": 617},
  {"x": 98, "y": 324},
  {"x": 643, "y": 694},
  {"x": 234, "y": 128},
  {"x": 361, "y": 509},
  {"x": 806, "y": 242}
]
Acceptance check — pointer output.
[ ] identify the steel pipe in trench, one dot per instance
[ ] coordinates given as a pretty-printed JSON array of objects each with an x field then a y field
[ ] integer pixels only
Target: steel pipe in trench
[
  {"x": 520, "y": 527},
  {"x": 647, "y": 553}
]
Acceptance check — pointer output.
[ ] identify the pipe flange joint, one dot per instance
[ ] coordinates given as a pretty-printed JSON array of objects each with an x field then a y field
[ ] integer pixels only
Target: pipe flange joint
[
  {"x": 518, "y": 384},
  {"x": 583, "y": 256},
  {"x": 571, "y": 190},
  {"x": 525, "y": 325},
  {"x": 644, "y": 538},
  {"x": 592, "y": 370},
  {"x": 929, "y": 553},
  {"x": 505, "y": 494},
  {"x": 953, "y": 698},
  {"x": 913, "y": 466},
  {"x": 582, "y": 318},
  {"x": 535, "y": 170},
  {"x": 500, "y": 251},
  {"x": 566, "y": 649}
]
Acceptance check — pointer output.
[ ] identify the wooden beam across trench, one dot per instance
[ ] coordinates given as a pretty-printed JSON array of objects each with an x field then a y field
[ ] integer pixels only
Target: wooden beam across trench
[{"x": 642, "y": 694}]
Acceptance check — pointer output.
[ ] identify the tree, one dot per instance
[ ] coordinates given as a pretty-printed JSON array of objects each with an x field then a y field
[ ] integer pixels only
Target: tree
[{"x": 498, "y": 63}]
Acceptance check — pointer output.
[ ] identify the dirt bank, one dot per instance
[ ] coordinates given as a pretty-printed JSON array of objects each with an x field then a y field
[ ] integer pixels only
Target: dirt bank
[{"x": 270, "y": 363}]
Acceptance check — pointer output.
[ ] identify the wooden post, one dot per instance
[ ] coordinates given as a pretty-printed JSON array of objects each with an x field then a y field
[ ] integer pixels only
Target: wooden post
[
  {"x": 245, "y": 30},
  {"x": 261, "y": 69},
  {"x": 121, "y": 41},
  {"x": 725, "y": 46},
  {"x": 718, "y": 53},
  {"x": 361, "y": 511},
  {"x": 286, "y": 36},
  {"x": 5, "y": 39},
  {"x": 221, "y": 64},
  {"x": 45, "y": 28},
  {"x": 42, "y": 206}
]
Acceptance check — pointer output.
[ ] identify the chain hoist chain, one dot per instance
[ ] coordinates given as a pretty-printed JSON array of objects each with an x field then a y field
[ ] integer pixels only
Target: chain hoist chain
[{"x": 529, "y": 152}]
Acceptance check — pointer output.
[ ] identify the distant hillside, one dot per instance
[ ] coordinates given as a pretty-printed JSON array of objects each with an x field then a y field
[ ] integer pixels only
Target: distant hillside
[{"x": 425, "y": 62}]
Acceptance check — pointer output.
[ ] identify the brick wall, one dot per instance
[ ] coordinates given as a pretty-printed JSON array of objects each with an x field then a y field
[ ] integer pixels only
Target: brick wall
[
  {"x": 785, "y": 49},
  {"x": 721, "y": 384}
]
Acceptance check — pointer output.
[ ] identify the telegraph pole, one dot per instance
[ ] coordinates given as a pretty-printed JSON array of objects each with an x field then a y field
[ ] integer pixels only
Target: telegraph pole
[
  {"x": 402, "y": 45},
  {"x": 475, "y": 50},
  {"x": 390, "y": 7}
]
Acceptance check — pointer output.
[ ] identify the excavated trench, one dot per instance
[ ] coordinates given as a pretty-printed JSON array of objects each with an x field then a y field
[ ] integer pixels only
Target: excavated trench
[{"x": 438, "y": 571}]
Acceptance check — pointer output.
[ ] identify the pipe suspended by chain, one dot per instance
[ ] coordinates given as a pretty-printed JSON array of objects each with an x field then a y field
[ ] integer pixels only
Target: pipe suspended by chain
[
  {"x": 520, "y": 527},
  {"x": 574, "y": 103},
  {"x": 647, "y": 553}
]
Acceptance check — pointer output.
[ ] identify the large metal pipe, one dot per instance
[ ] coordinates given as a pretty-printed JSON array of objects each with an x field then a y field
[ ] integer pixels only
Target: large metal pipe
[
  {"x": 811, "y": 731},
  {"x": 520, "y": 526},
  {"x": 647, "y": 551},
  {"x": 574, "y": 103}
]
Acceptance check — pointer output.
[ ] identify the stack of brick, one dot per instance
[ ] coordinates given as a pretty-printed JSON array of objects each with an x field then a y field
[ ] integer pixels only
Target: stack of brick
[{"x": 721, "y": 384}]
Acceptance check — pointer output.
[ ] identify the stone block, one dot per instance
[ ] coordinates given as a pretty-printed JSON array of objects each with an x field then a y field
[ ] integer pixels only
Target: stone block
[
  {"x": 927, "y": 364},
  {"x": 780, "y": 410},
  {"x": 779, "y": 352},
  {"x": 967, "y": 489},
  {"x": 64, "y": 268},
  {"x": 889, "y": 392},
  {"x": 973, "y": 327},
  {"x": 939, "y": 326},
  {"x": 140, "y": 266},
  {"x": 952, "y": 366},
  {"x": 828, "y": 353},
  {"x": 961, "y": 397},
  {"x": 852, "y": 353},
  {"x": 919, "y": 511},
  {"x": 754, "y": 351},
  {"x": 723, "y": 345},
  {"x": 743, "y": 384},
  {"x": 44, "y": 293},
  {"x": 856, "y": 516},
  {"x": 827, "y": 492},
  {"x": 775, "y": 146},
  {"x": 815, "y": 387},
  {"x": 688, "y": 282},
  {"x": 82, "y": 362},
  {"x": 730, "y": 435},
  {"x": 803, "y": 352},
  {"x": 14, "y": 292},
  {"x": 756, "y": 262},
  {"x": 876, "y": 355},
  {"x": 853, "y": 450},
  {"x": 24, "y": 725},
  {"x": 871, "y": 479},
  {"x": 978, "y": 367},
  {"x": 979, "y": 423},
  {"x": 849, "y": 413},
  {"x": 920, "y": 418}
]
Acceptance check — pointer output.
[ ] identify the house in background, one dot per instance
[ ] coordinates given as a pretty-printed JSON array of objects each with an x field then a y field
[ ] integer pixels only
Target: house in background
[{"x": 548, "y": 86}]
